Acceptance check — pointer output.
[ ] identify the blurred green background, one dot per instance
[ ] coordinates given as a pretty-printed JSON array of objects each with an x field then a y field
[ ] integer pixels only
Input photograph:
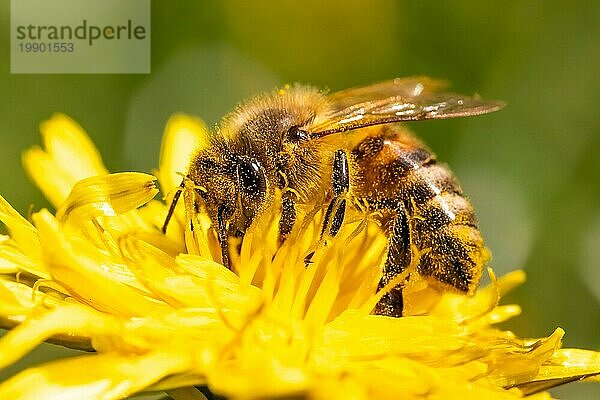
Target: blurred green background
[{"x": 532, "y": 170}]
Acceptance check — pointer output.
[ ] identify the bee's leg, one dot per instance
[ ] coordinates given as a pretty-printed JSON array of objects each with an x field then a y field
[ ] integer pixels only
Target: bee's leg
[
  {"x": 340, "y": 180},
  {"x": 288, "y": 216},
  {"x": 222, "y": 236},
  {"x": 398, "y": 259}
]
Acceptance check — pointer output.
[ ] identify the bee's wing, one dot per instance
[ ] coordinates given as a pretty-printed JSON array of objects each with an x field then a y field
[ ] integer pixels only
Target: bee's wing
[
  {"x": 410, "y": 99},
  {"x": 406, "y": 87}
]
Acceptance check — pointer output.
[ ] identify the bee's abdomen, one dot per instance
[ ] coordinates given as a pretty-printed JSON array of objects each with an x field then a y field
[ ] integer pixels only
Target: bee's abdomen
[
  {"x": 394, "y": 170},
  {"x": 445, "y": 231}
]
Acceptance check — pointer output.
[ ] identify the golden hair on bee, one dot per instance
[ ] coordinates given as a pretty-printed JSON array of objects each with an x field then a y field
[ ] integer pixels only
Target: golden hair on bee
[{"x": 292, "y": 105}]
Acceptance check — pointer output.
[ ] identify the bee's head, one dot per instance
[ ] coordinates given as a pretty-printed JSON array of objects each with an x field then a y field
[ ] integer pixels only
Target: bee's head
[{"x": 234, "y": 187}]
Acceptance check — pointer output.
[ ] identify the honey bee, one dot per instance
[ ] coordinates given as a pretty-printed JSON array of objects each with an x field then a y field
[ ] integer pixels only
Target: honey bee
[{"x": 344, "y": 147}]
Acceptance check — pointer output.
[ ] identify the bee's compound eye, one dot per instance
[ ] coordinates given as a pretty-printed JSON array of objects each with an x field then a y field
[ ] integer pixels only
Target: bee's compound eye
[
  {"x": 253, "y": 187},
  {"x": 251, "y": 176},
  {"x": 295, "y": 134}
]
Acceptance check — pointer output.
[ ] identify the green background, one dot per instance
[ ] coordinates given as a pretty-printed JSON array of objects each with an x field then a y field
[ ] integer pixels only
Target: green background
[{"x": 531, "y": 170}]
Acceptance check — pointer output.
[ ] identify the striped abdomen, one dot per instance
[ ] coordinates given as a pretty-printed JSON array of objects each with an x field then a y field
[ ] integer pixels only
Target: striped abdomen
[{"x": 421, "y": 205}]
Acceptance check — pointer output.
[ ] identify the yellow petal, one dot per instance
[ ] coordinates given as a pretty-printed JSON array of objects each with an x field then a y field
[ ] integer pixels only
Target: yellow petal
[
  {"x": 91, "y": 274},
  {"x": 72, "y": 319},
  {"x": 566, "y": 365},
  {"x": 260, "y": 376},
  {"x": 107, "y": 195},
  {"x": 183, "y": 136},
  {"x": 14, "y": 260},
  {"x": 8, "y": 252},
  {"x": 521, "y": 365},
  {"x": 210, "y": 286},
  {"x": 71, "y": 148},
  {"x": 102, "y": 377},
  {"x": 69, "y": 157},
  {"x": 463, "y": 308},
  {"x": 155, "y": 213},
  {"x": 353, "y": 335},
  {"x": 54, "y": 183},
  {"x": 24, "y": 235},
  {"x": 17, "y": 300}
]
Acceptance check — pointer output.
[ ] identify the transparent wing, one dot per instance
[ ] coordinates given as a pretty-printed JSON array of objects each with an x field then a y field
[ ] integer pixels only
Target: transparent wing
[
  {"x": 406, "y": 87},
  {"x": 399, "y": 100}
]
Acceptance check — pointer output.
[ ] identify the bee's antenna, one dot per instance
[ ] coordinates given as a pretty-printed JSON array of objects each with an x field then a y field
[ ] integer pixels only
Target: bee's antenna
[{"x": 172, "y": 206}]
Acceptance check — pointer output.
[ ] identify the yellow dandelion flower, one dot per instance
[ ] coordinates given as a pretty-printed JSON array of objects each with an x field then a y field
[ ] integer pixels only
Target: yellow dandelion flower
[{"x": 159, "y": 313}]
